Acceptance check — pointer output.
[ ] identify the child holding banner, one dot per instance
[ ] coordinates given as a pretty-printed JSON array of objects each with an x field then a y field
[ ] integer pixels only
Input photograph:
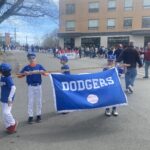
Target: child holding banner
[
  {"x": 111, "y": 63},
  {"x": 64, "y": 68},
  {"x": 33, "y": 73}
]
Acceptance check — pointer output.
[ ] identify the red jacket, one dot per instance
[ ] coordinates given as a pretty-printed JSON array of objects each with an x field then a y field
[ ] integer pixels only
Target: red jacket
[{"x": 147, "y": 55}]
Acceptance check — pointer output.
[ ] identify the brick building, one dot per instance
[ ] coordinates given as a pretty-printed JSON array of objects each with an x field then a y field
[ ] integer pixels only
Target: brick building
[{"x": 104, "y": 22}]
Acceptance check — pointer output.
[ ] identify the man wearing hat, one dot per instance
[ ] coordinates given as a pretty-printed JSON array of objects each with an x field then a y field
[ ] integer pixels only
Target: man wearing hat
[{"x": 33, "y": 73}]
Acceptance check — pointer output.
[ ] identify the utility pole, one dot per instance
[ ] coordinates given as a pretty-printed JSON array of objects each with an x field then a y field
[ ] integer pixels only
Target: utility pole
[
  {"x": 15, "y": 35},
  {"x": 26, "y": 40}
]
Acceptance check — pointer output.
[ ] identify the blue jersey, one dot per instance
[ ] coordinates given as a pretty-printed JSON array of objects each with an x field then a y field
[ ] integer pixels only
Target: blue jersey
[
  {"x": 65, "y": 69},
  {"x": 119, "y": 70},
  {"x": 6, "y": 83},
  {"x": 34, "y": 79}
]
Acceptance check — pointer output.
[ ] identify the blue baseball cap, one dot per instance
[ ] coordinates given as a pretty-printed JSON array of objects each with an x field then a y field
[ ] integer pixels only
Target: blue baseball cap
[
  {"x": 5, "y": 67},
  {"x": 64, "y": 58},
  {"x": 31, "y": 56}
]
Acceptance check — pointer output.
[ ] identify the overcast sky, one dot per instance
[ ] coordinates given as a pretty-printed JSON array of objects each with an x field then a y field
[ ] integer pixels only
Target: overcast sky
[{"x": 33, "y": 29}]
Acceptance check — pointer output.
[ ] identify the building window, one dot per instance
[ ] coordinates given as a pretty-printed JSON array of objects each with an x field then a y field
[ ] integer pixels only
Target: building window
[
  {"x": 146, "y": 3},
  {"x": 146, "y": 40},
  {"x": 111, "y": 5},
  {"x": 93, "y": 24},
  {"x": 146, "y": 22},
  {"x": 69, "y": 43},
  {"x": 127, "y": 23},
  {"x": 70, "y": 8},
  {"x": 111, "y": 23},
  {"x": 70, "y": 25},
  {"x": 113, "y": 41},
  {"x": 90, "y": 42},
  {"x": 93, "y": 7},
  {"x": 128, "y": 4}
]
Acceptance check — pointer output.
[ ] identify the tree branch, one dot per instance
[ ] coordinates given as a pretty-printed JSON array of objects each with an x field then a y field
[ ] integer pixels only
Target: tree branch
[
  {"x": 2, "y": 2},
  {"x": 28, "y": 9},
  {"x": 29, "y": 15},
  {"x": 9, "y": 11}
]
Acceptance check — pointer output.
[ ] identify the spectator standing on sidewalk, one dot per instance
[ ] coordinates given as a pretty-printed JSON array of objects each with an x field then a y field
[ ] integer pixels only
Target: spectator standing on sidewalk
[
  {"x": 131, "y": 57},
  {"x": 147, "y": 60}
]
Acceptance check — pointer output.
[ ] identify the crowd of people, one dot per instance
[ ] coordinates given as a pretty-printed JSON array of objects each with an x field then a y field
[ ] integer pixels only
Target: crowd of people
[{"x": 102, "y": 52}]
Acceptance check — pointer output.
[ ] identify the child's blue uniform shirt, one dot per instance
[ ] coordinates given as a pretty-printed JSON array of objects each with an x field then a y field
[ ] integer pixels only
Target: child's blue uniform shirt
[
  {"x": 119, "y": 69},
  {"x": 65, "y": 69},
  {"x": 34, "y": 79},
  {"x": 6, "y": 83}
]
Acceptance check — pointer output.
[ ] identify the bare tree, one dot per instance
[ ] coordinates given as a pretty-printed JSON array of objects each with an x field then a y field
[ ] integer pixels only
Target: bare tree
[
  {"x": 51, "y": 40},
  {"x": 27, "y": 8}
]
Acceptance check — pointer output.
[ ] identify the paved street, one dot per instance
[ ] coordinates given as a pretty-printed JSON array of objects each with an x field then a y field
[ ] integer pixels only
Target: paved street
[{"x": 87, "y": 130}]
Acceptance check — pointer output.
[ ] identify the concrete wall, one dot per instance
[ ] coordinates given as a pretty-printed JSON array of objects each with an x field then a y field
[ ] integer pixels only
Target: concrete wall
[
  {"x": 78, "y": 42},
  {"x": 138, "y": 40},
  {"x": 61, "y": 42},
  {"x": 104, "y": 41}
]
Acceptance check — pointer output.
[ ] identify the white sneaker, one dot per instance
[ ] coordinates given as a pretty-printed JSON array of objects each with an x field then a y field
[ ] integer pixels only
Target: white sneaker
[
  {"x": 130, "y": 87},
  {"x": 128, "y": 91},
  {"x": 115, "y": 112},
  {"x": 107, "y": 112}
]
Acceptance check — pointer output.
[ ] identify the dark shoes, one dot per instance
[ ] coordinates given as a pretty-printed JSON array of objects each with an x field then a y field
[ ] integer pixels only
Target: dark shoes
[
  {"x": 30, "y": 120},
  {"x": 65, "y": 113},
  {"x": 38, "y": 119},
  {"x": 145, "y": 77}
]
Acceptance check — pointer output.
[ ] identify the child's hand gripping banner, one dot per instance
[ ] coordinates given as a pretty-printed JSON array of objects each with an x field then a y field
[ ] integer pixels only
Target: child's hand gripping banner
[{"x": 87, "y": 91}]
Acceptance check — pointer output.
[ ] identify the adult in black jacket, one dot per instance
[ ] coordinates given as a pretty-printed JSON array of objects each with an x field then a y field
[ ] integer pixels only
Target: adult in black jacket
[
  {"x": 131, "y": 57},
  {"x": 118, "y": 51}
]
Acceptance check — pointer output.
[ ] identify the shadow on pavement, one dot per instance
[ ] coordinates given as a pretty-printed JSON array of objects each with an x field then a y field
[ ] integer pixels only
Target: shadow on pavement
[{"x": 56, "y": 131}]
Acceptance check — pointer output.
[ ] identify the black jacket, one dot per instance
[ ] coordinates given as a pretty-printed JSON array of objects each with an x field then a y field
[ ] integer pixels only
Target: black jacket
[
  {"x": 130, "y": 56},
  {"x": 118, "y": 52}
]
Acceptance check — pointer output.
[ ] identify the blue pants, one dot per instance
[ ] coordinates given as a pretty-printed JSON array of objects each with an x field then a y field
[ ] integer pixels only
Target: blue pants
[
  {"x": 130, "y": 76},
  {"x": 147, "y": 65}
]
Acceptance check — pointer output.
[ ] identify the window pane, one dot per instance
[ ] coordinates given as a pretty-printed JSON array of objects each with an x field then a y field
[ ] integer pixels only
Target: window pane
[
  {"x": 128, "y": 22},
  {"x": 70, "y": 25},
  {"x": 146, "y": 22},
  {"x": 112, "y": 4},
  {"x": 128, "y": 4},
  {"x": 146, "y": 4},
  {"x": 93, "y": 23},
  {"x": 111, "y": 23},
  {"x": 70, "y": 8},
  {"x": 93, "y": 7}
]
